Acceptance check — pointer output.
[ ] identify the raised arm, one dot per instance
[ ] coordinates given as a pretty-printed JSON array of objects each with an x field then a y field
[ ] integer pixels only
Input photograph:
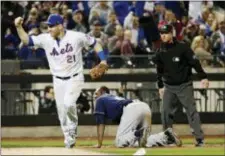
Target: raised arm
[
  {"x": 21, "y": 32},
  {"x": 99, "y": 50}
]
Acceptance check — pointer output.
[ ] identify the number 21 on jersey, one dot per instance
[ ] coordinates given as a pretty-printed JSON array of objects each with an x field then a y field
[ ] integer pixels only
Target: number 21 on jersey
[{"x": 71, "y": 58}]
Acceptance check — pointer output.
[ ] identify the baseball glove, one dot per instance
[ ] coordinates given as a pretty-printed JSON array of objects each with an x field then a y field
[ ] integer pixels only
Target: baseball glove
[{"x": 98, "y": 71}]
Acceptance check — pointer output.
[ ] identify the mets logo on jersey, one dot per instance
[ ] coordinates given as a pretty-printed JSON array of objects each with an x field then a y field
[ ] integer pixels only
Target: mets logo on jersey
[{"x": 68, "y": 48}]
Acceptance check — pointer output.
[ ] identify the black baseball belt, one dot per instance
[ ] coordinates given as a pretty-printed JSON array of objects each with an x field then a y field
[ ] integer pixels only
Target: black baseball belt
[{"x": 67, "y": 77}]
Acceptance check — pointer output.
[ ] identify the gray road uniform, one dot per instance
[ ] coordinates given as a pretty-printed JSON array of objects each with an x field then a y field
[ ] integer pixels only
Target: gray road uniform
[{"x": 130, "y": 114}]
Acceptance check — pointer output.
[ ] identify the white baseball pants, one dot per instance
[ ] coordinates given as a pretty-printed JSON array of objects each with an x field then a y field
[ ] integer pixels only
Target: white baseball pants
[{"x": 66, "y": 95}]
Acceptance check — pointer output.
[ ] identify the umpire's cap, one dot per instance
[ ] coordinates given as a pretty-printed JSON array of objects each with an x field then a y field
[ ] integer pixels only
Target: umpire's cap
[
  {"x": 167, "y": 28},
  {"x": 54, "y": 19}
]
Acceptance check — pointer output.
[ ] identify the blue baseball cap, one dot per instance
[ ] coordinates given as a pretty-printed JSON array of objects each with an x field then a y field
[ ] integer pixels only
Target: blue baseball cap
[{"x": 54, "y": 19}]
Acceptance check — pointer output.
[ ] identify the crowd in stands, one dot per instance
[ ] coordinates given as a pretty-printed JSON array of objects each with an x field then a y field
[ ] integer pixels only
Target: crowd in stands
[{"x": 116, "y": 25}]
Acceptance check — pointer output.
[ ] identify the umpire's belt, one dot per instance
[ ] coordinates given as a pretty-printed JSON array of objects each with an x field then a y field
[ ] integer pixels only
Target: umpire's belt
[{"x": 67, "y": 77}]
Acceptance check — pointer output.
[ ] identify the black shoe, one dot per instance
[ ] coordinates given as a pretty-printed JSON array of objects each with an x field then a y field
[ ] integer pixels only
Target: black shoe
[
  {"x": 69, "y": 146},
  {"x": 172, "y": 137},
  {"x": 200, "y": 143}
]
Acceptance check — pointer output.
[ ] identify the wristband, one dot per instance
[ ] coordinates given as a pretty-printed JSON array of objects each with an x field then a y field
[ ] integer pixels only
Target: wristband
[{"x": 102, "y": 55}]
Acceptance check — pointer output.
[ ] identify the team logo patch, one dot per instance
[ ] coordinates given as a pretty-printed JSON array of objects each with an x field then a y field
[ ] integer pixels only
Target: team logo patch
[
  {"x": 176, "y": 59},
  {"x": 68, "y": 48}
]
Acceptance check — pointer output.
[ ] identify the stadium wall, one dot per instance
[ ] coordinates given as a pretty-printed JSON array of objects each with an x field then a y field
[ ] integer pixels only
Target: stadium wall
[{"x": 90, "y": 131}]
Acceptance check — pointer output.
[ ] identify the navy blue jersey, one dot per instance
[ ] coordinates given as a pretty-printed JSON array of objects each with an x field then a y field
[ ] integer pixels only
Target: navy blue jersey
[{"x": 110, "y": 107}]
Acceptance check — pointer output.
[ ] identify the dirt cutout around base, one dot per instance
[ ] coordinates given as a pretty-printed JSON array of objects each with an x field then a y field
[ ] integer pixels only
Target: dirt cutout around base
[{"x": 47, "y": 151}]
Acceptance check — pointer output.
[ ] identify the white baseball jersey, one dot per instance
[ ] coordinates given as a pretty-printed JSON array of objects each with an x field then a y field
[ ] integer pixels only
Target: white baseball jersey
[{"x": 64, "y": 56}]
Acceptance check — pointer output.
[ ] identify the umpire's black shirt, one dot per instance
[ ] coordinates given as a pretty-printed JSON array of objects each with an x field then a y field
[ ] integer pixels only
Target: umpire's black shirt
[{"x": 174, "y": 63}]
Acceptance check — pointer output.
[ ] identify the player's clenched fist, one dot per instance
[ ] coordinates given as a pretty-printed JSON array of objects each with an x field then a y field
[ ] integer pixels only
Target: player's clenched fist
[{"x": 18, "y": 21}]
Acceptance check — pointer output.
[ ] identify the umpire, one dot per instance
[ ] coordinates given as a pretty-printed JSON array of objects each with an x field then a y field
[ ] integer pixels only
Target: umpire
[{"x": 174, "y": 62}]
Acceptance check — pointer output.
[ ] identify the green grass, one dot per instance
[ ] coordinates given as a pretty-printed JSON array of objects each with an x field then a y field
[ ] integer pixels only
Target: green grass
[
  {"x": 59, "y": 143},
  {"x": 169, "y": 151},
  {"x": 48, "y": 143},
  {"x": 87, "y": 144}
]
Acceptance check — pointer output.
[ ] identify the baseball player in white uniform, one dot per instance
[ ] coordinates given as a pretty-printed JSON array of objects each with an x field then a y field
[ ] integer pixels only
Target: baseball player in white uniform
[{"x": 64, "y": 53}]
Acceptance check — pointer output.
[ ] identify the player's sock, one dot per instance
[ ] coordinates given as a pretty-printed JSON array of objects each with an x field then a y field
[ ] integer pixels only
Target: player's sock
[{"x": 138, "y": 133}]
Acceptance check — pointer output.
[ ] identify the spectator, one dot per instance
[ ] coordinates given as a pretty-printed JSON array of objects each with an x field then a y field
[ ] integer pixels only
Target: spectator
[
  {"x": 190, "y": 32},
  {"x": 127, "y": 48},
  {"x": 67, "y": 16},
  {"x": 110, "y": 28},
  {"x": 159, "y": 11},
  {"x": 184, "y": 23},
  {"x": 11, "y": 44},
  {"x": 138, "y": 39},
  {"x": 205, "y": 28},
  {"x": 94, "y": 17},
  {"x": 196, "y": 7},
  {"x": 79, "y": 21},
  {"x": 211, "y": 23},
  {"x": 202, "y": 18},
  {"x": 97, "y": 32},
  {"x": 114, "y": 47},
  {"x": 37, "y": 5},
  {"x": 135, "y": 32},
  {"x": 218, "y": 43},
  {"x": 200, "y": 48},
  {"x": 203, "y": 32},
  {"x": 116, "y": 41},
  {"x": 103, "y": 10},
  {"x": 45, "y": 10},
  {"x": 47, "y": 104},
  {"x": 82, "y": 103},
  {"x": 126, "y": 13},
  {"x": 32, "y": 19}
]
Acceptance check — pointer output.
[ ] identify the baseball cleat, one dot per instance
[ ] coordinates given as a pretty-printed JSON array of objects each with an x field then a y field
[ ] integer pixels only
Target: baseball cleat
[
  {"x": 69, "y": 146},
  {"x": 172, "y": 136},
  {"x": 200, "y": 143}
]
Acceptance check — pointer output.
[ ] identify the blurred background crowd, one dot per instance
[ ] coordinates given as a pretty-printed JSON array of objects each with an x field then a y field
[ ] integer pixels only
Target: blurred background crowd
[{"x": 119, "y": 27}]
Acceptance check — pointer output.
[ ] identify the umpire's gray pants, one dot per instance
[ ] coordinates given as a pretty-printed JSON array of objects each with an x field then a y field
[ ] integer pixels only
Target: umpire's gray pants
[{"x": 184, "y": 93}]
